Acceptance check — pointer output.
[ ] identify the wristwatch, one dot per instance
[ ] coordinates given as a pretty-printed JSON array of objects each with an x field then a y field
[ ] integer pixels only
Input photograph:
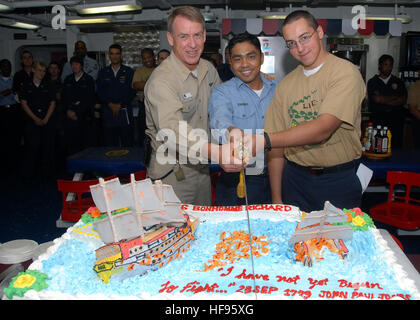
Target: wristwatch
[{"x": 267, "y": 146}]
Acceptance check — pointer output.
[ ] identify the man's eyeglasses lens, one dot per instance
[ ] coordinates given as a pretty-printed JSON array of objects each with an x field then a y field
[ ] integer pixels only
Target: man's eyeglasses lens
[{"x": 291, "y": 44}]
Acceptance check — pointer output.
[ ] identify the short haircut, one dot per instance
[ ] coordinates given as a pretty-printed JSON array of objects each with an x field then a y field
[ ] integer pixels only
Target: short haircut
[
  {"x": 150, "y": 50},
  {"x": 5, "y": 61},
  {"x": 77, "y": 60},
  {"x": 244, "y": 37},
  {"x": 386, "y": 57},
  {"x": 115, "y": 46},
  {"x": 163, "y": 50},
  {"x": 298, "y": 14},
  {"x": 79, "y": 41},
  {"x": 191, "y": 13},
  {"x": 39, "y": 64},
  {"x": 25, "y": 52}
]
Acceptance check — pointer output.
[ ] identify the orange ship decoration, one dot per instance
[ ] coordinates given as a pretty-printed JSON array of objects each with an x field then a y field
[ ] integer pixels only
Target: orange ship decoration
[
  {"x": 148, "y": 233},
  {"x": 316, "y": 230}
]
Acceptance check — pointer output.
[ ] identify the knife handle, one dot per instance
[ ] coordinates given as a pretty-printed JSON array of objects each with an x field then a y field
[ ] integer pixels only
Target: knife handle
[{"x": 240, "y": 189}]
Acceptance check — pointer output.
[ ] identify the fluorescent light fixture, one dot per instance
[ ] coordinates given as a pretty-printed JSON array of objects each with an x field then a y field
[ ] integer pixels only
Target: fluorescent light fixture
[
  {"x": 18, "y": 24},
  {"x": 24, "y": 25},
  {"x": 109, "y": 7},
  {"x": 272, "y": 15},
  {"x": 209, "y": 16},
  {"x": 88, "y": 20},
  {"x": 404, "y": 18},
  {"x": 4, "y": 6}
]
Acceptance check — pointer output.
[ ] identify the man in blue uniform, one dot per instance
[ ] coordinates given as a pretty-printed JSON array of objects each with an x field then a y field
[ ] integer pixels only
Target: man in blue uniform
[
  {"x": 387, "y": 97},
  {"x": 9, "y": 119},
  {"x": 78, "y": 99},
  {"x": 90, "y": 66},
  {"x": 237, "y": 105},
  {"x": 116, "y": 94}
]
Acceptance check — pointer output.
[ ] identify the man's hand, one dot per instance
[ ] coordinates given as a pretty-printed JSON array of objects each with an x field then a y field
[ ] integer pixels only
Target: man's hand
[
  {"x": 227, "y": 159},
  {"x": 72, "y": 115},
  {"x": 254, "y": 143},
  {"x": 39, "y": 122},
  {"x": 236, "y": 137},
  {"x": 6, "y": 92},
  {"x": 269, "y": 77},
  {"x": 115, "y": 108}
]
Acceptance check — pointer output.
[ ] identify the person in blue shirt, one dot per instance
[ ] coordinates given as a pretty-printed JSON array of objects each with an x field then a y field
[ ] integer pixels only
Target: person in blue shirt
[
  {"x": 116, "y": 94},
  {"x": 90, "y": 66},
  {"x": 9, "y": 119},
  {"x": 238, "y": 107}
]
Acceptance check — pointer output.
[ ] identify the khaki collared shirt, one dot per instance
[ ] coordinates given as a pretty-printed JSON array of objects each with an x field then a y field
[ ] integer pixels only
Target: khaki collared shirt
[{"x": 177, "y": 100}]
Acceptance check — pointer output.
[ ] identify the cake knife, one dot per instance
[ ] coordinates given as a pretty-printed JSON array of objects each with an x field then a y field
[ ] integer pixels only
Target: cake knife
[{"x": 242, "y": 193}]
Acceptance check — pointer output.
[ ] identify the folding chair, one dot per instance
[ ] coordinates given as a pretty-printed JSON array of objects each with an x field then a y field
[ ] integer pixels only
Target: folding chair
[
  {"x": 401, "y": 211},
  {"x": 73, "y": 210}
]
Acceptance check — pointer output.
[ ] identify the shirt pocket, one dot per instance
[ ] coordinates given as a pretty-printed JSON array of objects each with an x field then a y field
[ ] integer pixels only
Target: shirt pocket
[
  {"x": 189, "y": 106},
  {"x": 244, "y": 116}
]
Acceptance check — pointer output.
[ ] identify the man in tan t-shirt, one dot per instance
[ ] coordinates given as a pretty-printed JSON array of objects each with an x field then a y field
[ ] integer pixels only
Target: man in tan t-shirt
[
  {"x": 413, "y": 102},
  {"x": 313, "y": 124},
  {"x": 176, "y": 99}
]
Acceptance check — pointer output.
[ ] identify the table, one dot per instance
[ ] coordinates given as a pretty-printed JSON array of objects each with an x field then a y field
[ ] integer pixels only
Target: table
[
  {"x": 400, "y": 160},
  {"x": 109, "y": 160}
]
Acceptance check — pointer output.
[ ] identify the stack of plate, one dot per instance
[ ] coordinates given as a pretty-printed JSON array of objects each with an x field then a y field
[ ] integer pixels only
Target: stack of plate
[
  {"x": 41, "y": 249},
  {"x": 17, "y": 251}
]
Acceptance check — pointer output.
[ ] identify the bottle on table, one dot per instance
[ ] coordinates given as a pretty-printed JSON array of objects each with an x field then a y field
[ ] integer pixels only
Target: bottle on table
[
  {"x": 369, "y": 142},
  {"x": 385, "y": 140},
  {"x": 378, "y": 140}
]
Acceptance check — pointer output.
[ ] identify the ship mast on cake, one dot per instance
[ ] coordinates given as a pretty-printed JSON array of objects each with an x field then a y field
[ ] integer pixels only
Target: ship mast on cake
[
  {"x": 144, "y": 226},
  {"x": 316, "y": 229}
]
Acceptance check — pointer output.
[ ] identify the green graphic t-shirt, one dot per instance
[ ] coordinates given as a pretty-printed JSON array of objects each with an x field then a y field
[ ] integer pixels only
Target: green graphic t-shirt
[{"x": 337, "y": 89}]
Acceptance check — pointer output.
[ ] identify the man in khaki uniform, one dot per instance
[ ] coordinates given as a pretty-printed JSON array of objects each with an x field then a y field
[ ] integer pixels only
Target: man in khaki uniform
[
  {"x": 413, "y": 102},
  {"x": 313, "y": 124},
  {"x": 176, "y": 100}
]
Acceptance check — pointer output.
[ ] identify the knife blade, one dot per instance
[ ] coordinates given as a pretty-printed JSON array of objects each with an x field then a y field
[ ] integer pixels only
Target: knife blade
[{"x": 242, "y": 193}]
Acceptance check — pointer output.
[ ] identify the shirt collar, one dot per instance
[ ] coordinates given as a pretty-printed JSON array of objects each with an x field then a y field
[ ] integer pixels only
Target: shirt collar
[
  {"x": 184, "y": 71},
  {"x": 386, "y": 79},
  {"x": 267, "y": 83}
]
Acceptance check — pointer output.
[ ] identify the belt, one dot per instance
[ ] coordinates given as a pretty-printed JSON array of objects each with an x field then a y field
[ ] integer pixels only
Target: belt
[
  {"x": 262, "y": 174},
  {"x": 322, "y": 170}
]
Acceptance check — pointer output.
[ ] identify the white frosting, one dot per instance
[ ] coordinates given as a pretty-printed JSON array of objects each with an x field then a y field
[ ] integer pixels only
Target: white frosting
[{"x": 401, "y": 275}]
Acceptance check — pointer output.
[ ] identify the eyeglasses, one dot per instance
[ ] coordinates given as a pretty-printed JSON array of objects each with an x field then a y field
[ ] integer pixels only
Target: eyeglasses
[{"x": 292, "y": 44}]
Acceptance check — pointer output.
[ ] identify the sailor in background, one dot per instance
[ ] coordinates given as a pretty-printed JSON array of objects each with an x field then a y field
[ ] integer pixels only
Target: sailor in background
[
  {"x": 78, "y": 99},
  {"x": 38, "y": 102},
  {"x": 115, "y": 91},
  {"x": 387, "y": 96},
  {"x": 9, "y": 119},
  {"x": 90, "y": 66}
]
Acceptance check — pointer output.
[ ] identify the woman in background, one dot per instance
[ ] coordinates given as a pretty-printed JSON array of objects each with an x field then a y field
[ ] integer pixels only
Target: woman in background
[{"x": 38, "y": 102}]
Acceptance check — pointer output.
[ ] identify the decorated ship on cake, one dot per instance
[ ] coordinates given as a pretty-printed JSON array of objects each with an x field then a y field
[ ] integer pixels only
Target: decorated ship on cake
[
  {"x": 316, "y": 230},
  {"x": 143, "y": 227}
]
